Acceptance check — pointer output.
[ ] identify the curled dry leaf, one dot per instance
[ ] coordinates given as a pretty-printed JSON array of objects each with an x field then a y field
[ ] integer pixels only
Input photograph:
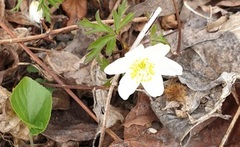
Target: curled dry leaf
[
  {"x": 229, "y": 3},
  {"x": 75, "y": 9},
  {"x": 141, "y": 114},
  {"x": 9, "y": 121},
  {"x": 169, "y": 22},
  {"x": 62, "y": 61}
]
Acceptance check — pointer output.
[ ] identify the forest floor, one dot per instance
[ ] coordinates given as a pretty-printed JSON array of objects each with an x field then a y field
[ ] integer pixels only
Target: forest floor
[{"x": 198, "y": 108}]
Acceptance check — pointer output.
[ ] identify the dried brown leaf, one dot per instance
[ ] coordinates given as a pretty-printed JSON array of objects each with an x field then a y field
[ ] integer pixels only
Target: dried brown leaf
[
  {"x": 229, "y": 3},
  {"x": 169, "y": 22},
  {"x": 141, "y": 114},
  {"x": 75, "y": 9}
]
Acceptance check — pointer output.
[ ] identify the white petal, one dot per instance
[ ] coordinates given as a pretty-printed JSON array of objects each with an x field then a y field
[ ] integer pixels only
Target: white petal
[
  {"x": 136, "y": 52},
  {"x": 154, "y": 87},
  {"x": 34, "y": 14},
  {"x": 158, "y": 50},
  {"x": 127, "y": 86},
  {"x": 168, "y": 67},
  {"x": 117, "y": 67}
]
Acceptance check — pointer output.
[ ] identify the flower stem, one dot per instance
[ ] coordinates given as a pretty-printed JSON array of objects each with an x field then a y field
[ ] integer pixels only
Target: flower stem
[{"x": 31, "y": 140}]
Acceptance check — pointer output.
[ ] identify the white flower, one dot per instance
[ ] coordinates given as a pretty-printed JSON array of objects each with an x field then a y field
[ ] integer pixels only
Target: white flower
[
  {"x": 35, "y": 15},
  {"x": 146, "y": 67}
]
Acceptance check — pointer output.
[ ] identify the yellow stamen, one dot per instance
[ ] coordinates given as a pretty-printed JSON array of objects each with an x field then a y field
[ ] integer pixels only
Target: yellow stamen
[{"x": 142, "y": 70}]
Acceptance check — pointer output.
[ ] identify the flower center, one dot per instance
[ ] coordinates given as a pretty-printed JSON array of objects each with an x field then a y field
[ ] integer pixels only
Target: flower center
[{"x": 142, "y": 70}]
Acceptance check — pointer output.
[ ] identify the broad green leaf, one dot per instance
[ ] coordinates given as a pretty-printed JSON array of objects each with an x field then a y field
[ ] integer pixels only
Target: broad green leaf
[
  {"x": 41, "y": 80},
  {"x": 33, "y": 104},
  {"x": 111, "y": 46}
]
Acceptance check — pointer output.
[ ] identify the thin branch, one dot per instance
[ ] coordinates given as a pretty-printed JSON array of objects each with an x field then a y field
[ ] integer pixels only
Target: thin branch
[
  {"x": 179, "y": 27},
  {"x": 82, "y": 87},
  {"x": 230, "y": 128},
  {"x": 58, "y": 31},
  {"x": 106, "y": 112}
]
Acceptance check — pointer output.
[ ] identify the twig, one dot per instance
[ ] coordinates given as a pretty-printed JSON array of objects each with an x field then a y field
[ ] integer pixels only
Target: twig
[
  {"x": 106, "y": 112},
  {"x": 57, "y": 79},
  {"x": 179, "y": 28},
  {"x": 58, "y": 31},
  {"x": 229, "y": 130},
  {"x": 82, "y": 87}
]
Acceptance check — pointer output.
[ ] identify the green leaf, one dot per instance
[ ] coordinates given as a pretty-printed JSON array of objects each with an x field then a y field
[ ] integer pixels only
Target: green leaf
[
  {"x": 100, "y": 42},
  {"x": 103, "y": 62},
  {"x": 32, "y": 69},
  {"x": 155, "y": 38},
  {"x": 117, "y": 20},
  {"x": 17, "y": 6},
  {"x": 111, "y": 46},
  {"x": 99, "y": 21},
  {"x": 97, "y": 46},
  {"x": 95, "y": 27},
  {"x": 122, "y": 8},
  {"x": 87, "y": 24},
  {"x": 126, "y": 20},
  {"x": 33, "y": 104},
  {"x": 55, "y": 2}
]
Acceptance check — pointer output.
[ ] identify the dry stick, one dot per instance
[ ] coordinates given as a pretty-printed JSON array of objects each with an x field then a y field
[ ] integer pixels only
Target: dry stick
[
  {"x": 58, "y": 31},
  {"x": 35, "y": 37},
  {"x": 106, "y": 112},
  {"x": 229, "y": 130},
  {"x": 79, "y": 86},
  {"x": 57, "y": 79},
  {"x": 179, "y": 27}
]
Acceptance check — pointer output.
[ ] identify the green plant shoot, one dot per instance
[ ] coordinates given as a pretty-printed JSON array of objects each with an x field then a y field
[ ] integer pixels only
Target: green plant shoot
[
  {"x": 155, "y": 37},
  {"x": 33, "y": 104},
  {"x": 44, "y": 5},
  {"x": 108, "y": 40}
]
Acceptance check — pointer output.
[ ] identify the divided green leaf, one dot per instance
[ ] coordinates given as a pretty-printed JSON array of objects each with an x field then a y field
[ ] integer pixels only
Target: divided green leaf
[
  {"x": 44, "y": 4},
  {"x": 33, "y": 104},
  {"x": 103, "y": 62},
  {"x": 155, "y": 38},
  {"x": 110, "y": 34},
  {"x": 97, "y": 46}
]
